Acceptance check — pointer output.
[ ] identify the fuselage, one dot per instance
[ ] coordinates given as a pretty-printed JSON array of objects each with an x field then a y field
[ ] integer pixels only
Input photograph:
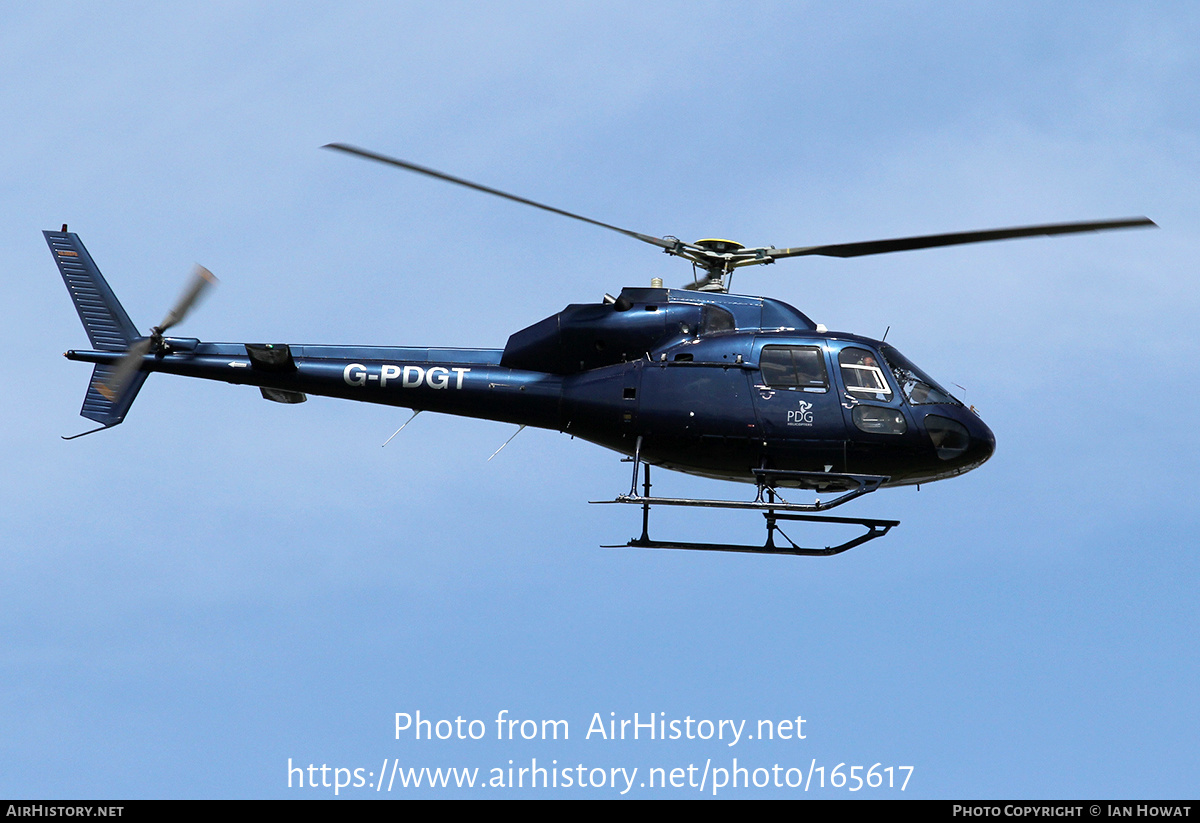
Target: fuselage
[{"x": 710, "y": 384}]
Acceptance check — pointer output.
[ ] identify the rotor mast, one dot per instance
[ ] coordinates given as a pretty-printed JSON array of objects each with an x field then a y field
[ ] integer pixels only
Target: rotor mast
[{"x": 718, "y": 260}]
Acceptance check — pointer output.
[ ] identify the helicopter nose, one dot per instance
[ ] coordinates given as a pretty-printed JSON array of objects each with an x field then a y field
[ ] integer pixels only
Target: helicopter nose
[
  {"x": 964, "y": 441},
  {"x": 983, "y": 441}
]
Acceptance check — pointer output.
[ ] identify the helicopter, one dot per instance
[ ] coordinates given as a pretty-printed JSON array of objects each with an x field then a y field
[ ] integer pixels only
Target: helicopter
[{"x": 695, "y": 380}]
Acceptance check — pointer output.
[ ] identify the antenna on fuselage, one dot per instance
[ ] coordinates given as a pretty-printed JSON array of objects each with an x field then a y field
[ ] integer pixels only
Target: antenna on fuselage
[
  {"x": 397, "y": 431},
  {"x": 506, "y": 442}
]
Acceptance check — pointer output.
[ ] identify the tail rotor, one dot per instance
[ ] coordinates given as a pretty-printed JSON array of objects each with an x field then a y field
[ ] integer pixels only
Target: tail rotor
[{"x": 113, "y": 387}]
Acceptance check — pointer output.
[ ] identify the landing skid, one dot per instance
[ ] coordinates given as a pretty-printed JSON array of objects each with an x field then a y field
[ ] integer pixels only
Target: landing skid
[
  {"x": 773, "y": 507},
  {"x": 875, "y": 528}
]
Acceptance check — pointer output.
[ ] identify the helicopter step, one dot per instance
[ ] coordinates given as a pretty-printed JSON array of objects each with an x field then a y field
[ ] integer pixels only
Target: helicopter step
[{"x": 774, "y": 509}]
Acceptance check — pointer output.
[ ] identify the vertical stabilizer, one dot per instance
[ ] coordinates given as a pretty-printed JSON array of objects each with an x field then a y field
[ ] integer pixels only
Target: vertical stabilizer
[
  {"x": 107, "y": 325},
  {"x": 110, "y": 412}
]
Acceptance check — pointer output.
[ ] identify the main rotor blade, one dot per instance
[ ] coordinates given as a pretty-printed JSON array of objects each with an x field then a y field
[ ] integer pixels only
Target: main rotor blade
[
  {"x": 929, "y": 241},
  {"x": 392, "y": 161},
  {"x": 202, "y": 278}
]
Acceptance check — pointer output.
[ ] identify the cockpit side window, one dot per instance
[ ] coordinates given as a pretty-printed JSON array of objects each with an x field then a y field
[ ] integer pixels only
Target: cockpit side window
[
  {"x": 862, "y": 375},
  {"x": 793, "y": 367}
]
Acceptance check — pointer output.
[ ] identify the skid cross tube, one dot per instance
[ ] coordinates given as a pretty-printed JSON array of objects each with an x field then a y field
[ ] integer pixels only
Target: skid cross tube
[{"x": 863, "y": 484}]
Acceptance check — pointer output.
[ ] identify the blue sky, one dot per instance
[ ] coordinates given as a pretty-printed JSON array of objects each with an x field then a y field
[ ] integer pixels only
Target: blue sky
[{"x": 222, "y": 584}]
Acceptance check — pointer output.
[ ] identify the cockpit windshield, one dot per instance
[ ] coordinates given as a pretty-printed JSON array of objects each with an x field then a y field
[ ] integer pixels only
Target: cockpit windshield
[{"x": 917, "y": 387}]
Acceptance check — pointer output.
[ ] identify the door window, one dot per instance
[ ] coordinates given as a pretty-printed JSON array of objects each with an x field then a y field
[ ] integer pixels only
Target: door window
[
  {"x": 794, "y": 367},
  {"x": 862, "y": 375}
]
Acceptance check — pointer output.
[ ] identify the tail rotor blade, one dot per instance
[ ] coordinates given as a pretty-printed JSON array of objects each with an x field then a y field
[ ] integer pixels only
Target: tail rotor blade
[
  {"x": 126, "y": 368},
  {"x": 202, "y": 278},
  {"x": 128, "y": 365}
]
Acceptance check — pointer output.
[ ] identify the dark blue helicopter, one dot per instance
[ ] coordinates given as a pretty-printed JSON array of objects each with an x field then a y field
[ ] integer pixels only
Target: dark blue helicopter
[{"x": 696, "y": 380}]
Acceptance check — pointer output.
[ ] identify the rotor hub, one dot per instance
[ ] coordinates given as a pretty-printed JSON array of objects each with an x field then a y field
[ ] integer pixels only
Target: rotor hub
[{"x": 720, "y": 246}]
